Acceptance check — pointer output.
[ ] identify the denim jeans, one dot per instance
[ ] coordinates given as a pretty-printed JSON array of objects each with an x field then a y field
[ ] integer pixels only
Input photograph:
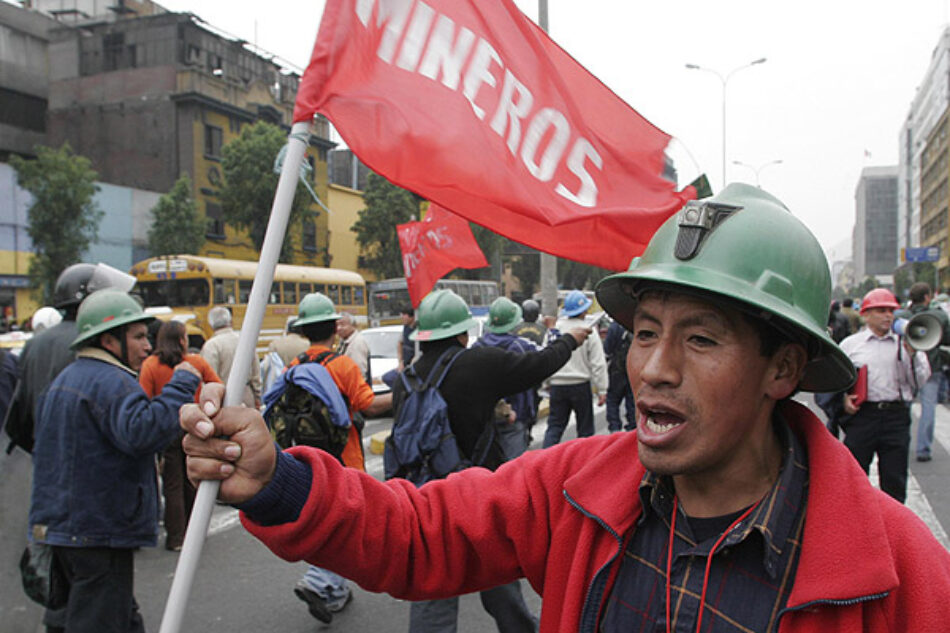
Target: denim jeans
[
  {"x": 505, "y": 604},
  {"x": 100, "y": 589},
  {"x": 619, "y": 390},
  {"x": 328, "y": 585},
  {"x": 564, "y": 399},
  {"x": 929, "y": 394}
]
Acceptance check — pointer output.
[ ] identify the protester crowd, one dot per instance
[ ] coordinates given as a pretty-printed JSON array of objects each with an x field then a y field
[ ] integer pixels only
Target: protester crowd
[{"x": 721, "y": 505}]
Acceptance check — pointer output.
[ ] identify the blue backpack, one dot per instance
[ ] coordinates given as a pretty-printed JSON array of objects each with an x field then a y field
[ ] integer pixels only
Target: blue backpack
[{"x": 422, "y": 446}]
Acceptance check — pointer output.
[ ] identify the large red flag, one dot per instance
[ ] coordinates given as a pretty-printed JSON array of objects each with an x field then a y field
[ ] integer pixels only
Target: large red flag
[
  {"x": 438, "y": 244},
  {"x": 471, "y": 105}
]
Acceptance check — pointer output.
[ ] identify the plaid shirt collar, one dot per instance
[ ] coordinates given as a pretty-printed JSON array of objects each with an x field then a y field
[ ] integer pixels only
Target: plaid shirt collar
[{"x": 775, "y": 516}]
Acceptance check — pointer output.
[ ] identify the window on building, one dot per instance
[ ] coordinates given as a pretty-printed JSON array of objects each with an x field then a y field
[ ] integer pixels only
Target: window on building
[
  {"x": 193, "y": 55},
  {"x": 215, "y": 64},
  {"x": 215, "y": 220},
  {"x": 213, "y": 141},
  {"x": 309, "y": 236},
  {"x": 113, "y": 49}
]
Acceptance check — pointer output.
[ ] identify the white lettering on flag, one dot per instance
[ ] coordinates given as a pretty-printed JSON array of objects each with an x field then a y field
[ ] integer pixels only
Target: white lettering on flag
[{"x": 444, "y": 49}]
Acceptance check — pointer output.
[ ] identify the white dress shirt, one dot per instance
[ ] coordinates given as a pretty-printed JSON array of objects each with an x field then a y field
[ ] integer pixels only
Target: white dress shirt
[{"x": 893, "y": 374}]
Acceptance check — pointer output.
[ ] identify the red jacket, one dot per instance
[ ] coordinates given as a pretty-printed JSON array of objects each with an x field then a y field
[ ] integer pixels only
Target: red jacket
[{"x": 558, "y": 516}]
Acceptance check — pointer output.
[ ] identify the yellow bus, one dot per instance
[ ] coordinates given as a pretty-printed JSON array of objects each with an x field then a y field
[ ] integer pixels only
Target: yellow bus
[{"x": 186, "y": 287}]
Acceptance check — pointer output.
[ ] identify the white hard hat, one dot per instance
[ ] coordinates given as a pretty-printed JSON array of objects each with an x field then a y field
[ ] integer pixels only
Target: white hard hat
[{"x": 45, "y": 317}]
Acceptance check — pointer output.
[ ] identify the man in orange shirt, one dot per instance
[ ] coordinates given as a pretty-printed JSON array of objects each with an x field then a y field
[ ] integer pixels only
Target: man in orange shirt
[{"x": 322, "y": 590}]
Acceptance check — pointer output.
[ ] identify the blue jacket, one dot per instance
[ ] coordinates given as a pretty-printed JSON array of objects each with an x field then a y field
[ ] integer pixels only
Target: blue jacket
[
  {"x": 97, "y": 433},
  {"x": 316, "y": 379},
  {"x": 523, "y": 402}
]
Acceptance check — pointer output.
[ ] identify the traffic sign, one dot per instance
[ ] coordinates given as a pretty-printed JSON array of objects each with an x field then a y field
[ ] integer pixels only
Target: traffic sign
[{"x": 922, "y": 254}]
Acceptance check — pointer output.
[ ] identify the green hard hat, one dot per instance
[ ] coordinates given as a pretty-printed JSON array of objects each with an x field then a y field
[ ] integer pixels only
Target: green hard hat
[
  {"x": 442, "y": 314},
  {"x": 314, "y": 308},
  {"x": 105, "y": 310},
  {"x": 503, "y": 315},
  {"x": 745, "y": 245}
]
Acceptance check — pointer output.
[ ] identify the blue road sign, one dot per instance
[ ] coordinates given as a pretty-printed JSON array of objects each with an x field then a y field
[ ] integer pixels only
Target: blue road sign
[{"x": 922, "y": 254}]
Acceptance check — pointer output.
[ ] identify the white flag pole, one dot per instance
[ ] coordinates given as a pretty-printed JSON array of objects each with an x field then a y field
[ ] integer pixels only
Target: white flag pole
[{"x": 244, "y": 355}]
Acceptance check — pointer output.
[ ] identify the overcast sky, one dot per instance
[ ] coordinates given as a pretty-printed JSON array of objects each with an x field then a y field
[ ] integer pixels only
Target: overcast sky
[{"x": 839, "y": 80}]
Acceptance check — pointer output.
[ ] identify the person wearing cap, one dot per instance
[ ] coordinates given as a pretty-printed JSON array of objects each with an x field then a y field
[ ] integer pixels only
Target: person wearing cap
[
  {"x": 49, "y": 351},
  {"x": 514, "y": 434},
  {"x": 570, "y": 387},
  {"x": 895, "y": 373},
  {"x": 95, "y": 493},
  {"x": 325, "y": 592},
  {"x": 730, "y": 508},
  {"x": 476, "y": 380}
]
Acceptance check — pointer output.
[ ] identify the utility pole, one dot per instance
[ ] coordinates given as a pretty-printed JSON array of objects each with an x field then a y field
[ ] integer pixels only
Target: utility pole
[{"x": 548, "y": 262}]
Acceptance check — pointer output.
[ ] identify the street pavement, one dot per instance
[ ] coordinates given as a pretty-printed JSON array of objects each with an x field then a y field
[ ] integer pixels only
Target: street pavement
[{"x": 241, "y": 586}]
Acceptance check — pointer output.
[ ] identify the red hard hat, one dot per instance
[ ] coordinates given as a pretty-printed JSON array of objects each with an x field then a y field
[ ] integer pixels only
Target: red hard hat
[{"x": 879, "y": 298}]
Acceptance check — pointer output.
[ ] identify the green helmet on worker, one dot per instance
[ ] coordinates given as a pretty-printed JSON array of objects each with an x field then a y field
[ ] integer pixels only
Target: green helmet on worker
[
  {"x": 442, "y": 314},
  {"x": 105, "y": 310},
  {"x": 503, "y": 315},
  {"x": 314, "y": 308},
  {"x": 743, "y": 245}
]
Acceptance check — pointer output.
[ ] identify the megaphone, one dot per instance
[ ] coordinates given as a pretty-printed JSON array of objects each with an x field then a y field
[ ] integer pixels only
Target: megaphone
[{"x": 923, "y": 332}]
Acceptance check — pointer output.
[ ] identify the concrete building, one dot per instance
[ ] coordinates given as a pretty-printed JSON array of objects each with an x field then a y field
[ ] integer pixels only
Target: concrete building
[
  {"x": 875, "y": 229},
  {"x": 929, "y": 105},
  {"x": 934, "y": 193},
  {"x": 149, "y": 98},
  {"x": 24, "y": 83},
  {"x": 146, "y": 95}
]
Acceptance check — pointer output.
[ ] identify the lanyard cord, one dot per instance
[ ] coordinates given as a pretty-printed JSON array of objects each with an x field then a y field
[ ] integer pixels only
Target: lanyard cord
[{"x": 669, "y": 562}]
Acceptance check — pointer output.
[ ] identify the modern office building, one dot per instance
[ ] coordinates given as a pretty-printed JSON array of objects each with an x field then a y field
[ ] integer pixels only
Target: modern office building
[
  {"x": 875, "y": 229},
  {"x": 934, "y": 182},
  {"x": 929, "y": 105}
]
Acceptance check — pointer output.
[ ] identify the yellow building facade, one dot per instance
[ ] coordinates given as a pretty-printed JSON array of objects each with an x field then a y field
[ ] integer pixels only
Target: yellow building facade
[{"x": 345, "y": 206}]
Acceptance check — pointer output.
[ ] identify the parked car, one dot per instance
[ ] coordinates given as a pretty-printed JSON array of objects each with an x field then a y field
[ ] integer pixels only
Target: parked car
[{"x": 383, "y": 356}]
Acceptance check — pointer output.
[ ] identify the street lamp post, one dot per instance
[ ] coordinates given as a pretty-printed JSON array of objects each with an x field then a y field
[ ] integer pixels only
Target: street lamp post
[
  {"x": 757, "y": 170},
  {"x": 548, "y": 261},
  {"x": 725, "y": 80}
]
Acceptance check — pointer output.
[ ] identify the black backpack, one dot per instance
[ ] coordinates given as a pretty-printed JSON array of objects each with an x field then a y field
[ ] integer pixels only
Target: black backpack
[
  {"x": 422, "y": 446},
  {"x": 300, "y": 418}
]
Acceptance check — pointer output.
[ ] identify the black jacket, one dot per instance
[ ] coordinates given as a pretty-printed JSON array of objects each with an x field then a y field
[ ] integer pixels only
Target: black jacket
[
  {"x": 482, "y": 375},
  {"x": 43, "y": 358}
]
